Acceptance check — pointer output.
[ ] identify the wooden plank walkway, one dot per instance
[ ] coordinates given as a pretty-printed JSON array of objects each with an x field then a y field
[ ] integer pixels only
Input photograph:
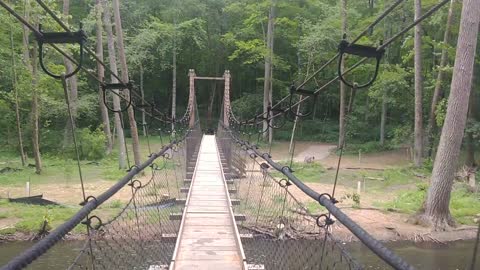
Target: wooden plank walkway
[{"x": 208, "y": 237}]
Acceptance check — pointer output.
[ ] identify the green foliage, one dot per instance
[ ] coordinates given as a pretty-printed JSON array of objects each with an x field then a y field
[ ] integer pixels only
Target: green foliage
[
  {"x": 308, "y": 172},
  {"x": 310, "y": 130},
  {"x": 368, "y": 147},
  {"x": 441, "y": 112},
  {"x": 92, "y": 143},
  {"x": 464, "y": 204},
  {"x": 31, "y": 217}
]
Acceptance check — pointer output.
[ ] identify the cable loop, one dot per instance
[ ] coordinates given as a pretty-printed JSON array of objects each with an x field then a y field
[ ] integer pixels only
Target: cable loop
[
  {"x": 88, "y": 222},
  {"x": 78, "y": 37},
  {"x": 284, "y": 183},
  {"x": 288, "y": 169},
  {"x": 332, "y": 199},
  {"x": 88, "y": 199},
  {"x": 301, "y": 92},
  {"x": 131, "y": 168},
  {"x": 135, "y": 184},
  {"x": 167, "y": 155},
  {"x": 359, "y": 50},
  {"x": 325, "y": 224},
  {"x": 117, "y": 86}
]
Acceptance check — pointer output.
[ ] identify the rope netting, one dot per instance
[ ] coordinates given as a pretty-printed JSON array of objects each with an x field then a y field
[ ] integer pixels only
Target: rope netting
[{"x": 277, "y": 230}]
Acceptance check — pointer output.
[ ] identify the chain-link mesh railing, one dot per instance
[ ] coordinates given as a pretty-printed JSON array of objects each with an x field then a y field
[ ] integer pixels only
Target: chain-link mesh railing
[
  {"x": 277, "y": 230},
  {"x": 138, "y": 227}
]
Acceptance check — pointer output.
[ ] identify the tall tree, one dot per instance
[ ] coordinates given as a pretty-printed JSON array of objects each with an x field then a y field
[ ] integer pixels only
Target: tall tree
[
  {"x": 122, "y": 159},
  {"x": 267, "y": 84},
  {"x": 418, "y": 129},
  {"x": 437, "y": 93},
  {"x": 23, "y": 157},
  {"x": 125, "y": 78},
  {"x": 101, "y": 76},
  {"x": 31, "y": 63},
  {"x": 437, "y": 212},
  {"x": 341, "y": 119},
  {"x": 72, "y": 83},
  {"x": 469, "y": 137},
  {"x": 174, "y": 70}
]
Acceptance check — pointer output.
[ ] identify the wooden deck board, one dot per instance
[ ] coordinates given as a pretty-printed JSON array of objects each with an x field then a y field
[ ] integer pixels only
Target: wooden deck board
[{"x": 208, "y": 238}]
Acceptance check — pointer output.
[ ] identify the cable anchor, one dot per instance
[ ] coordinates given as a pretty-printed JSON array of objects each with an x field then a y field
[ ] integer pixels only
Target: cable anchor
[
  {"x": 359, "y": 50},
  {"x": 79, "y": 37}
]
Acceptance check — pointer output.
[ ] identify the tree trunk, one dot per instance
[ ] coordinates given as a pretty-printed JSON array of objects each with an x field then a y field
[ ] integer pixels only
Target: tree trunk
[
  {"x": 125, "y": 78},
  {"x": 122, "y": 160},
  {"x": 437, "y": 93},
  {"x": 437, "y": 213},
  {"x": 101, "y": 76},
  {"x": 35, "y": 114},
  {"x": 142, "y": 92},
  {"x": 383, "y": 119},
  {"x": 418, "y": 129},
  {"x": 341, "y": 118},
  {"x": 270, "y": 93},
  {"x": 268, "y": 66},
  {"x": 72, "y": 83},
  {"x": 469, "y": 140},
  {"x": 210, "y": 105},
  {"x": 31, "y": 63},
  {"x": 23, "y": 157},
  {"x": 174, "y": 76}
]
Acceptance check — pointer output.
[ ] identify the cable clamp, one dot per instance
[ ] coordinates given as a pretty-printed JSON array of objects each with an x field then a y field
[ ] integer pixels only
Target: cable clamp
[
  {"x": 131, "y": 168},
  {"x": 88, "y": 222},
  {"x": 332, "y": 199},
  {"x": 284, "y": 183},
  {"x": 327, "y": 222},
  {"x": 135, "y": 184},
  {"x": 88, "y": 199},
  {"x": 288, "y": 169}
]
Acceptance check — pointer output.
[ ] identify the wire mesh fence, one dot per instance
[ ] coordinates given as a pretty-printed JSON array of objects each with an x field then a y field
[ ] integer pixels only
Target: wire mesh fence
[
  {"x": 143, "y": 233},
  {"x": 277, "y": 230}
]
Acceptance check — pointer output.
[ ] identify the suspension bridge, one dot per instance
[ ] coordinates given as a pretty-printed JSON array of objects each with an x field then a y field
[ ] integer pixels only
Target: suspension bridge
[{"x": 212, "y": 201}]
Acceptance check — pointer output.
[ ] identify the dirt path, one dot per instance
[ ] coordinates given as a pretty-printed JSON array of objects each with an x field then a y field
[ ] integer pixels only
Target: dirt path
[{"x": 319, "y": 151}]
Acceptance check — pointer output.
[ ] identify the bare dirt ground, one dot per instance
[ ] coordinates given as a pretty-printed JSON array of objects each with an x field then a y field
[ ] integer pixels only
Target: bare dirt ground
[{"x": 383, "y": 225}]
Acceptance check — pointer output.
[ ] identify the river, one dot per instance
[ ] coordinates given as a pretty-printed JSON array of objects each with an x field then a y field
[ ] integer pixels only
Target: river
[{"x": 454, "y": 255}]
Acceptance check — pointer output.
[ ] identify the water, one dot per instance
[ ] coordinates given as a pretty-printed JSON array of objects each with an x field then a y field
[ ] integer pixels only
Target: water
[
  {"x": 451, "y": 256},
  {"x": 58, "y": 257},
  {"x": 455, "y": 255}
]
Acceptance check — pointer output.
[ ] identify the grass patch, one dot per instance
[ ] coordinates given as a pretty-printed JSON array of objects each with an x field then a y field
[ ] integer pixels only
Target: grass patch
[
  {"x": 31, "y": 217},
  {"x": 464, "y": 205},
  {"x": 315, "y": 207},
  {"x": 306, "y": 172}
]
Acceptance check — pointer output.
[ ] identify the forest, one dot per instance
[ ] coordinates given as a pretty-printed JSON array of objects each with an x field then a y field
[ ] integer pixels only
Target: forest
[{"x": 423, "y": 104}]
